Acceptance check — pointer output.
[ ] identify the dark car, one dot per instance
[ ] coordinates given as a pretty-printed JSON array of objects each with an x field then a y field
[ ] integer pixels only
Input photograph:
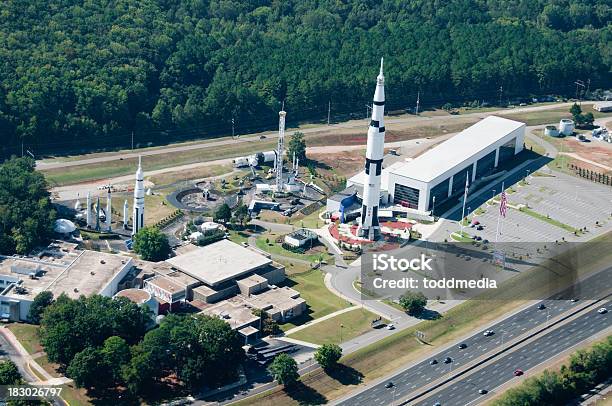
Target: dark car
[
  {"x": 480, "y": 228},
  {"x": 541, "y": 306},
  {"x": 518, "y": 372},
  {"x": 483, "y": 391},
  {"x": 433, "y": 362},
  {"x": 389, "y": 385},
  {"x": 462, "y": 346},
  {"x": 262, "y": 137},
  {"x": 448, "y": 360}
]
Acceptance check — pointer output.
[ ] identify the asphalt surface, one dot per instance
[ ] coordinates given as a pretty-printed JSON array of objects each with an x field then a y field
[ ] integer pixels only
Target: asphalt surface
[
  {"x": 466, "y": 391},
  {"x": 421, "y": 374}
]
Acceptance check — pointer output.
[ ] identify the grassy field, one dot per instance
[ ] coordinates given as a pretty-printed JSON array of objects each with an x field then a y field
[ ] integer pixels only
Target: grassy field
[
  {"x": 338, "y": 329},
  {"x": 104, "y": 170},
  {"x": 190, "y": 174},
  {"x": 321, "y": 301},
  {"x": 50, "y": 367},
  {"x": 549, "y": 220},
  {"x": 463, "y": 237},
  {"x": 275, "y": 248},
  {"x": 27, "y": 334}
]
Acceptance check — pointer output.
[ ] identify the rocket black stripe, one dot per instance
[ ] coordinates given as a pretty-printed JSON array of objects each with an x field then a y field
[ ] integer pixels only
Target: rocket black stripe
[
  {"x": 374, "y": 123},
  {"x": 381, "y": 129},
  {"x": 377, "y": 103}
]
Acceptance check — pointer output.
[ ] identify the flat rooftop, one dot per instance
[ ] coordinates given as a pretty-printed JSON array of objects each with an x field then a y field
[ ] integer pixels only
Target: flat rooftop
[
  {"x": 456, "y": 150},
  {"x": 75, "y": 273},
  {"x": 219, "y": 262},
  {"x": 165, "y": 284},
  {"x": 234, "y": 312}
]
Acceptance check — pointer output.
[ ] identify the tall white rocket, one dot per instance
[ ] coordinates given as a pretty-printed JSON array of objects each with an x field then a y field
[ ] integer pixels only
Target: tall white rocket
[
  {"x": 280, "y": 150},
  {"x": 88, "y": 210},
  {"x": 139, "y": 193},
  {"x": 109, "y": 210},
  {"x": 125, "y": 214},
  {"x": 369, "y": 227}
]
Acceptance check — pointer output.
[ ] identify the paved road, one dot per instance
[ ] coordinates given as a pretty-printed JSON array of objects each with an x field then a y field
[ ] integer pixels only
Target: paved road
[
  {"x": 53, "y": 164},
  {"x": 7, "y": 350},
  {"x": 419, "y": 375},
  {"x": 497, "y": 373}
]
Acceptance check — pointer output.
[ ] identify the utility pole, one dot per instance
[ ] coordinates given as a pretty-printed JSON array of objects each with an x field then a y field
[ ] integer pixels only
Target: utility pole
[
  {"x": 132, "y": 139},
  {"x": 501, "y": 91},
  {"x": 588, "y": 87},
  {"x": 232, "y": 127},
  {"x": 328, "y": 111},
  {"x": 418, "y": 100},
  {"x": 579, "y": 83},
  {"x": 22, "y": 147}
]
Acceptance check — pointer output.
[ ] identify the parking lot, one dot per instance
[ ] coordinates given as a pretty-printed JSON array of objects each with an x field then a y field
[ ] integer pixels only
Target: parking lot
[{"x": 574, "y": 202}]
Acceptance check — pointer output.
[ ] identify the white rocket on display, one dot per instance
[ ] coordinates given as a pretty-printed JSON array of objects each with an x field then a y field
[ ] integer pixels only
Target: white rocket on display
[
  {"x": 139, "y": 193},
  {"x": 280, "y": 150},
  {"x": 125, "y": 214},
  {"x": 369, "y": 227},
  {"x": 109, "y": 212},
  {"x": 88, "y": 210}
]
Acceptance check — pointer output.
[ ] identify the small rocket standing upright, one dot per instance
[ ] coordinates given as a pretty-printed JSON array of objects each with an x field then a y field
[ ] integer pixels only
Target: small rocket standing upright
[
  {"x": 369, "y": 227},
  {"x": 139, "y": 193},
  {"x": 88, "y": 210},
  {"x": 125, "y": 214},
  {"x": 109, "y": 211}
]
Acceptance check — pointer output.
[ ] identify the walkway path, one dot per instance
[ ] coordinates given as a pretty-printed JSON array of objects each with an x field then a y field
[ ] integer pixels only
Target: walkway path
[
  {"x": 588, "y": 161},
  {"x": 320, "y": 319}
]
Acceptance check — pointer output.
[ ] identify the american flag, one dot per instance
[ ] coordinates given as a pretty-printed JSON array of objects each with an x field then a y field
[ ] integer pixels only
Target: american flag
[{"x": 503, "y": 205}]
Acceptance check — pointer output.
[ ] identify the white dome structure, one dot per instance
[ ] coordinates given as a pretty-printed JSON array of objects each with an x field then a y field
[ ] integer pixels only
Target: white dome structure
[{"x": 64, "y": 226}]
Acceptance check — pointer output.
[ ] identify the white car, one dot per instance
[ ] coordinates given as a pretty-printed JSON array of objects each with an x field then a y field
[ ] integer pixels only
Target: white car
[
  {"x": 488, "y": 333},
  {"x": 390, "y": 326},
  {"x": 603, "y": 310}
]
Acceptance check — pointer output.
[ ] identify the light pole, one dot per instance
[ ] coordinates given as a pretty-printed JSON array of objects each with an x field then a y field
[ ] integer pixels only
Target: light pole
[
  {"x": 433, "y": 210},
  {"x": 341, "y": 327}
]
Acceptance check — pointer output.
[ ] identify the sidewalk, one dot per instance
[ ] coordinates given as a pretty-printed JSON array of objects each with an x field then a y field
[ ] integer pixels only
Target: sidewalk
[
  {"x": 30, "y": 363},
  {"x": 320, "y": 319}
]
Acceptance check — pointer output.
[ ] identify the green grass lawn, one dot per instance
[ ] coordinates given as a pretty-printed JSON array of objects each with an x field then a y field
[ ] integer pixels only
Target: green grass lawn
[
  {"x": 461, "y": 237},
  {"x": 549, "y": 220},
  {"x": 238, "y": 236},
  {"x": 320, "y": 301},
  {"x": 276, "y": 248},
  {"x": 50, "y": 367},
  {"x": 348, "y": 325},
  {"x": 27, "y": 334}
]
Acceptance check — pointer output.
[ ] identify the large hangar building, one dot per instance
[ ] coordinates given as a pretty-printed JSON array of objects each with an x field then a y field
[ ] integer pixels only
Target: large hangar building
[{"x": 410, "y": 186}]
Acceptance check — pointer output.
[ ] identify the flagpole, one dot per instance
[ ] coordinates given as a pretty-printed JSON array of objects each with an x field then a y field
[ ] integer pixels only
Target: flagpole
[
  {"x": 467, "y": 177},
  {"x": 499, "y": 217}
]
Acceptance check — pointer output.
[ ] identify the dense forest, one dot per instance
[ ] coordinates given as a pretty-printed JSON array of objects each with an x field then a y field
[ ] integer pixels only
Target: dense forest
[{"x": 91, "y": 73}]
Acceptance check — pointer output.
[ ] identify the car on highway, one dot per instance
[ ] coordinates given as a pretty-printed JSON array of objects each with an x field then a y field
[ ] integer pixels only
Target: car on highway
[
  {"x": 518, "y": 372},
  {"x": 390, "y": 326},
  {"x": 433, "y": 362},
  {"x": 488, "y": 333},
  {"x": 602, "y": 310},
  {"x": 574, "y": 300},
  {"x": 462, "y": 346},
  {"x": 437, "y": 404},
  {"x": 389, "y": 385},
  {"x": 448, "y": 360},
  {"x": 262, "y": 137},
  {"x": 483, "y": 391},
  {"x": 541, "y": 306}
]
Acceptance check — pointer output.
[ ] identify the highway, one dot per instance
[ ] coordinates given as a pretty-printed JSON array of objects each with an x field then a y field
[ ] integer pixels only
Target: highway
[
  {"x": 494, "y": 374},
  {"x": 419, "y": 375}
]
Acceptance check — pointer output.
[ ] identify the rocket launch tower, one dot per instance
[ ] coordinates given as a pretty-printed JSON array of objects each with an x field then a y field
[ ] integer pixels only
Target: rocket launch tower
[{"x": 368, "y": 226}]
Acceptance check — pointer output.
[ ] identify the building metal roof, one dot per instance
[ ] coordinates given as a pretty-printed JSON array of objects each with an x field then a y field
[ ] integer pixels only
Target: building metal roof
[
  {"x": 456, "y": 150},
  {"x": 219, "y": 262},
  {"x": 450, "y": 153}
]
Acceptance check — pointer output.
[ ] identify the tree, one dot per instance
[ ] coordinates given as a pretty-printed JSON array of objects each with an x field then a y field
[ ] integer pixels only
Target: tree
[
  {"x": 9, "y": 374},
  {"x": 588, "y": 119},
  {"x": 413, "y": 303},
  {"x": 576, "y": 112},
  {"x": 328, "y": 355},
  {"x": 68, "y": 326},
  {"x": 297, "y": 146},
  {"x": 88, "y": 370},
  {"x": 26, "y": 213},
  {"x": 284, "y": 369},
  {"x": 116, "y": 356},
  {"x": 242, "y": 213},
  {"x": 223, "y": 213},
  {"x": 268, "y": 326},
  {"x": 38, "y": 306},
  {"x": 151, "y": 244}
]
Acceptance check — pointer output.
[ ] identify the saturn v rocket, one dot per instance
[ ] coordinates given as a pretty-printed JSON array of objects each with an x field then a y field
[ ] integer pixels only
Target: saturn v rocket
[
  {"x": 139, "y": 193},
  {"x": 369, "y": 227}
]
